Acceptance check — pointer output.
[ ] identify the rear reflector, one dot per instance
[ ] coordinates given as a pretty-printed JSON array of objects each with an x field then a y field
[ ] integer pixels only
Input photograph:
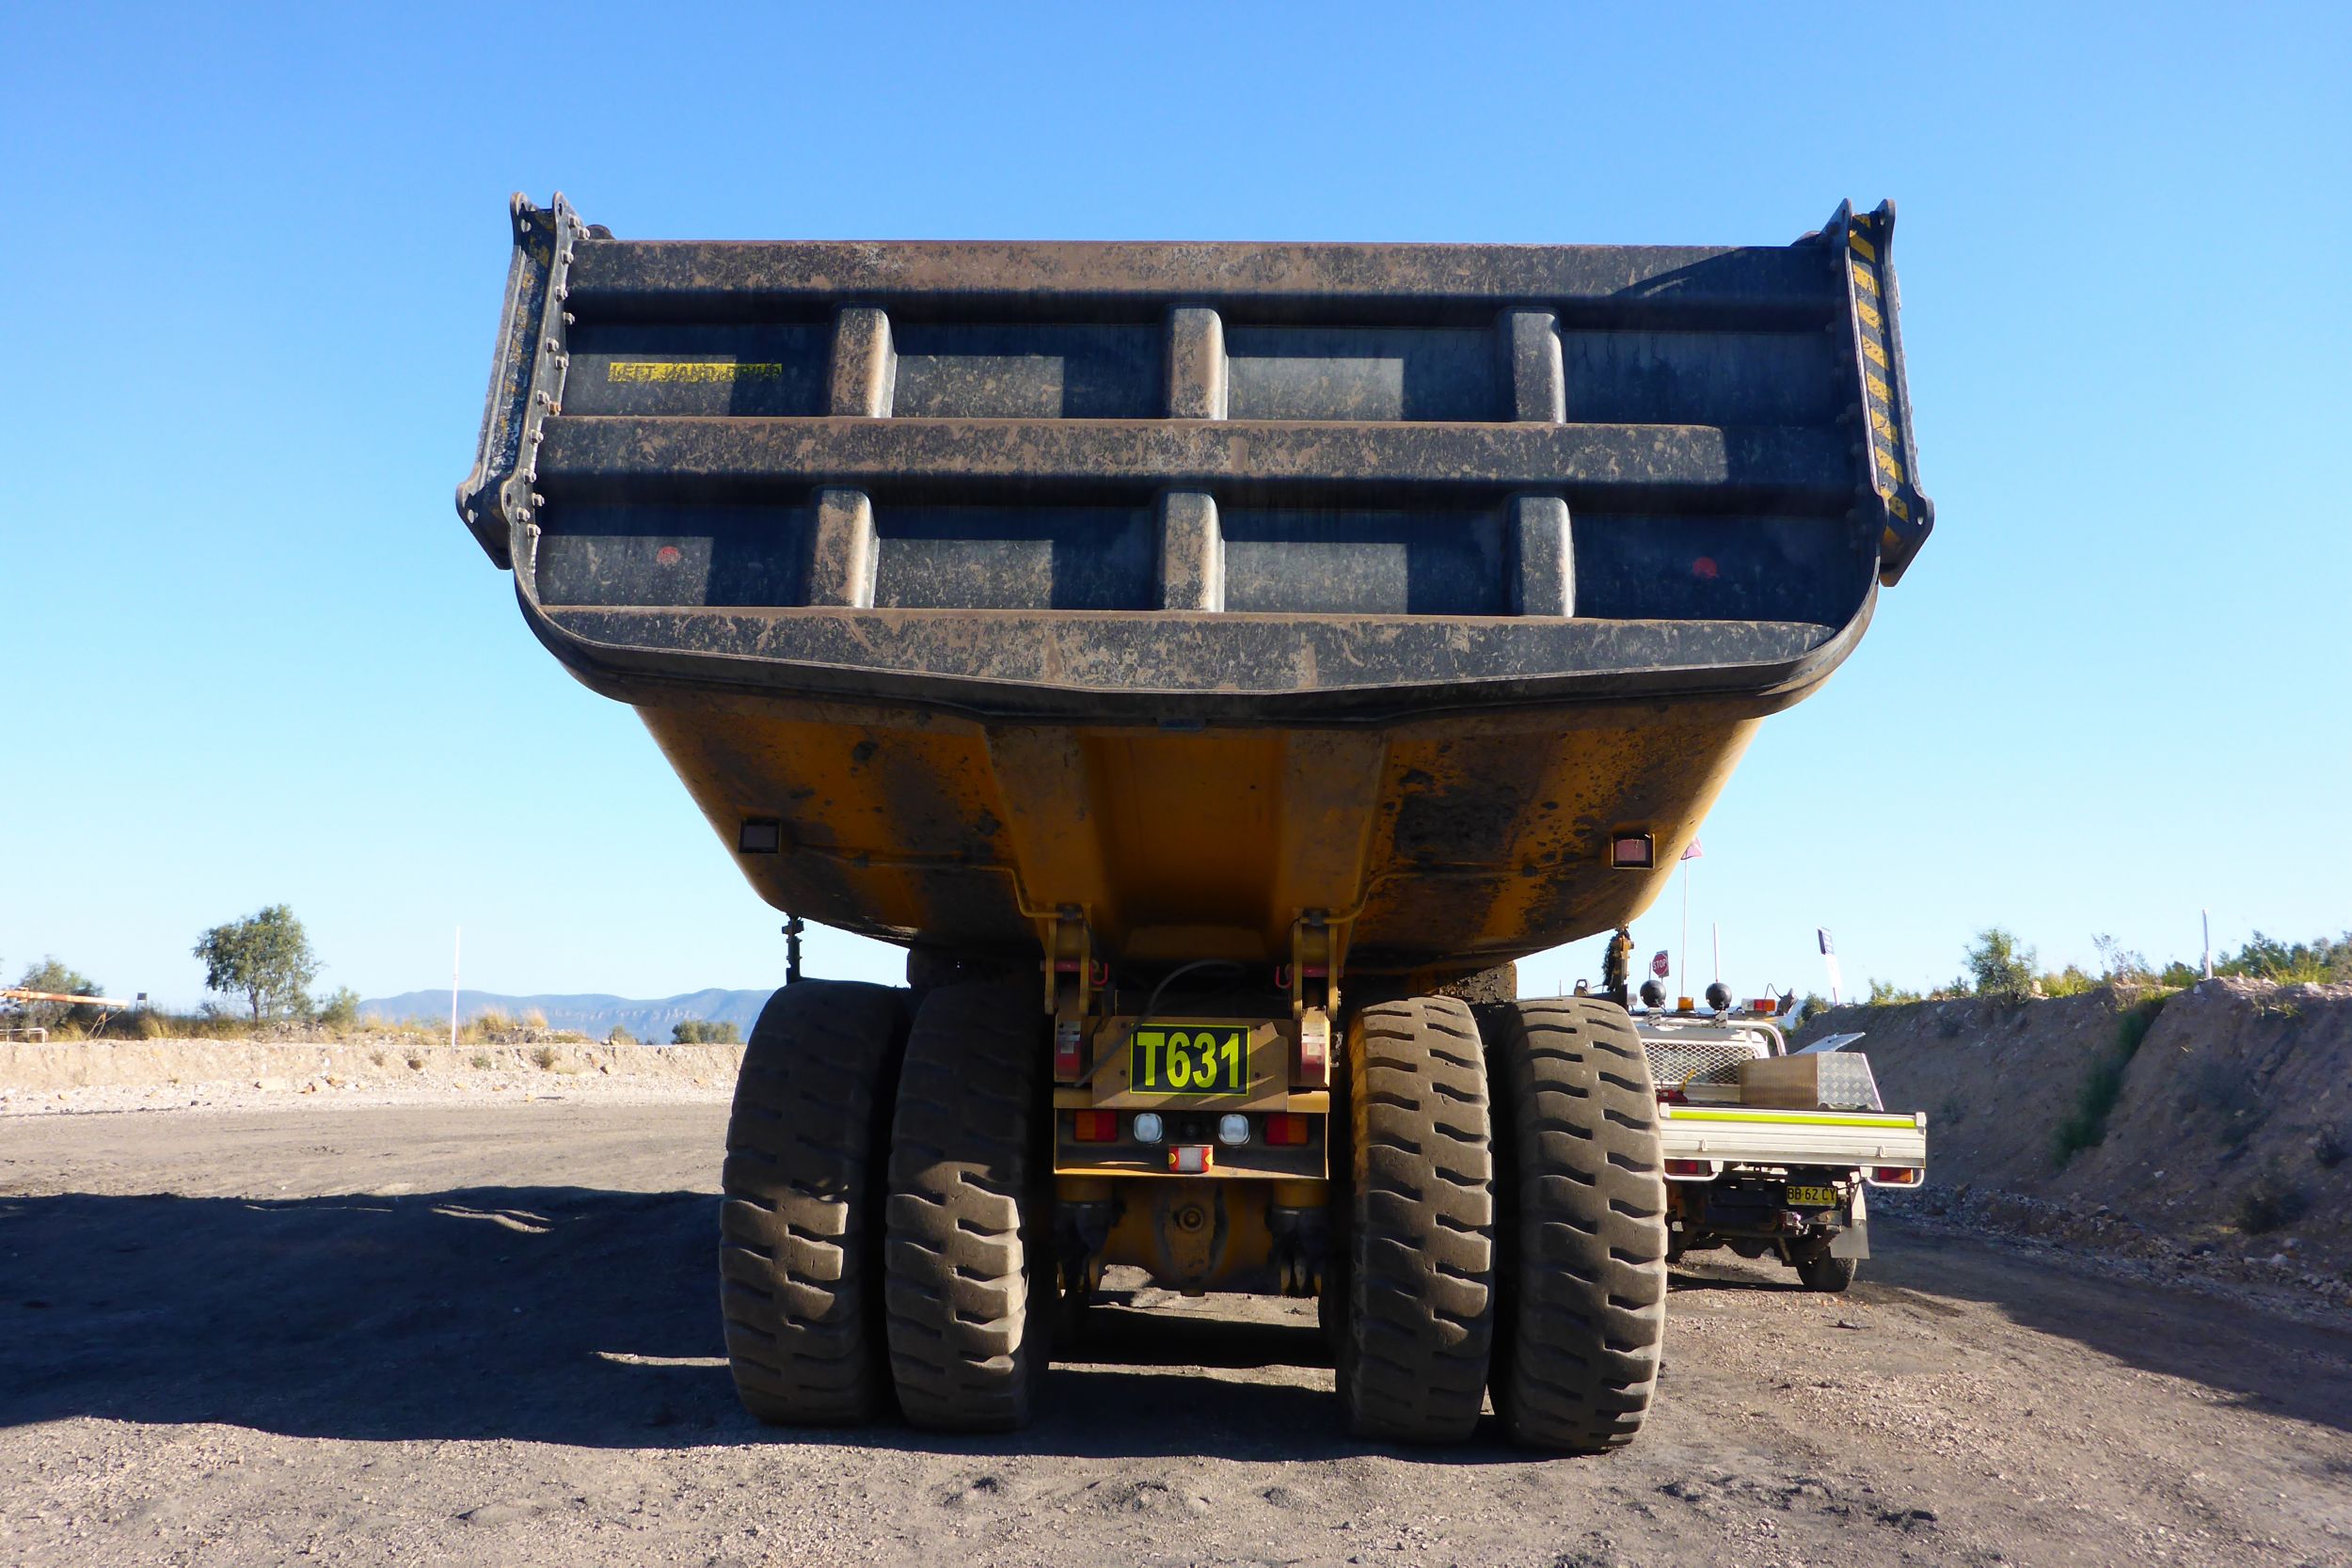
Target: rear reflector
[
  {"x": 1191, "y": 1159},
  {"x": 1690, "y": 1167},
  {"x": 1287, "y": 1132},
  {"x": 1632, "y": 852},
  {"x": 1765, "y": 1007},
  {"x": 1095, "y": 1127},
  {"x": 1893, "y": 1176}
]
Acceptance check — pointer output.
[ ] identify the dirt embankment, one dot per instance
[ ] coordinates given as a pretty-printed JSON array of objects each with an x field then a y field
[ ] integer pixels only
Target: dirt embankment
[
  {"x": 113, "y": 1075},
  {"x": 2224, "y": 1136}
]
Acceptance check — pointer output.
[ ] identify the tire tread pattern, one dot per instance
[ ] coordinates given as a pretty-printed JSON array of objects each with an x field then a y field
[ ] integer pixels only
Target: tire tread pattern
[
  {"x": 1584, "y": 1277},
  {"x": 1419, "y": 1319},
  {"x": 799, "y": 1221},
  {"x": 966, "y": 1337}
]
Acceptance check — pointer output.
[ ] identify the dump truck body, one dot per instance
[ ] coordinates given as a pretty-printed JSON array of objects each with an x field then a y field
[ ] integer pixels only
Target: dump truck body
[
  {"x": 1198, "y": 584},
  {"x": 1215, "y": 663}
]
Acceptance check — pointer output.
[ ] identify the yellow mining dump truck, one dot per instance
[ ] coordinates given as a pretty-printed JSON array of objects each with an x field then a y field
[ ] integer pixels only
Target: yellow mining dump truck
[{"x": 1214, "y": 664}]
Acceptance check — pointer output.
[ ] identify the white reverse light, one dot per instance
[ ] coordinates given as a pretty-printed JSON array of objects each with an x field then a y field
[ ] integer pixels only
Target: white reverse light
[
  {"x": 1148, "y": 1129},
  {"x": 1232, "y": 1129}
]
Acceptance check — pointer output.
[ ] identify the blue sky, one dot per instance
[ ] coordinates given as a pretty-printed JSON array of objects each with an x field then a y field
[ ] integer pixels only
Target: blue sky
[{"x": 252, "y": 264}]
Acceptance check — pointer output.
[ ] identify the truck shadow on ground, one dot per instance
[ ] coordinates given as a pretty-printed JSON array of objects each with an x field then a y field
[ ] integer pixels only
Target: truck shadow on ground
[
  {"x": 572, "y": 1315},
  {"x": 544, "y": 1314}
]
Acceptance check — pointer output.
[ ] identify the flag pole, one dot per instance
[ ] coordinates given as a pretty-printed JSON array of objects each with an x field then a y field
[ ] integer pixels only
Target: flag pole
[{"x": 1683, "y": 955}]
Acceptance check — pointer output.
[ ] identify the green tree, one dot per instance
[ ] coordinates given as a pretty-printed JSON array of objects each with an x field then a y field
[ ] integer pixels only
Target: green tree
[
  {"x": 266, "y": 957},
  {"x": 2267, "y": 958},
  {"x": 338, "y": 1009},
  {"x": 1886, "y": 993},
  {"x": 2121, "y": 965},
  {"x": 1999, "y": 968},
  {"x": 698, "y": 1031},
  {"x": 58, "y": 979}
]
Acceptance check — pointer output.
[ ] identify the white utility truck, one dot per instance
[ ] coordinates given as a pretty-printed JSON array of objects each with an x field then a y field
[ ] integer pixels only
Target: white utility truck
[{"x": 1769, "y": 1151}]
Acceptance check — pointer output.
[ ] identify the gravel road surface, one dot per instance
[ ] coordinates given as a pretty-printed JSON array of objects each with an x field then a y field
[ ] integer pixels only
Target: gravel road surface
[{"x": 487, "y": 1333}]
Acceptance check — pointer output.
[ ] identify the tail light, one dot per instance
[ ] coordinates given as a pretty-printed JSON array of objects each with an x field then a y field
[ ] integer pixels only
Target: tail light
[
  {"x": 1286, "y": 1131},
  {"x": 1687, "y": 1169},
  {"x": 1895, "y": 1176},
  {"x": 1095, "y": 1127}
]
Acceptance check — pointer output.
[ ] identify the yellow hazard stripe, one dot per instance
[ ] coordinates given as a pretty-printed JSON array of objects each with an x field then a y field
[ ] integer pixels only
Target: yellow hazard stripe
[
  {"x": 1869, "y": 312},
  {"x": 1790, "y": 1119},
  {"x": 1871, "y": 351},
  {"x": 1878, "y": 389},
  {"x": 1862, "y": 277},
  {"x": 1862, "y": 246},
  {"x": 691, "y": 372}
]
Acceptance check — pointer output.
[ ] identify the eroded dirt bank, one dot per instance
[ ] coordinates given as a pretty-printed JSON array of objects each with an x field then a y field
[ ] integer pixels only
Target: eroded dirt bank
[
  {"x": 485, "y": 1334},
  {"x": 2228, "y": 1144}
]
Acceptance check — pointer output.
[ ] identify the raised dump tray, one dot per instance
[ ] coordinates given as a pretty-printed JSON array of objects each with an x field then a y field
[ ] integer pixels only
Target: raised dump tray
[{"x": 1195, "y": 588}]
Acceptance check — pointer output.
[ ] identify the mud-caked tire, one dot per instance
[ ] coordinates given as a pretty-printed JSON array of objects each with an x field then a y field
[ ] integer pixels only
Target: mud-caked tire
[
  {"x": 1582, "y": 1231},
  {"x": 1419, "y": 1279},
  {"x": 1827, "y": 1274},
  {"x": 801, "y": 1224},
  {"x": 972, "y": 1277}
]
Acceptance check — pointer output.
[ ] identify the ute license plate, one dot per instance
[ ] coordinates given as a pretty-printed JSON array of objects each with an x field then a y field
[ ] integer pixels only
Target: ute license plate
[
  {"x": 1189, "y": 1059},
  {"x": 1812, "y": 1197}
]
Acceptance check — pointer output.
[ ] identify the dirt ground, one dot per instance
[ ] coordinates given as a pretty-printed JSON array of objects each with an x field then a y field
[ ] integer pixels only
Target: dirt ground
[{"x": 485, "y": 1334}]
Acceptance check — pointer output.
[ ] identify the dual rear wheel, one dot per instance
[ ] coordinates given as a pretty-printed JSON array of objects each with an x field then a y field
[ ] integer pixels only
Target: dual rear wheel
[
  {"x": 880, "y": 1234},
  {"x": 885, "y": 1231}
]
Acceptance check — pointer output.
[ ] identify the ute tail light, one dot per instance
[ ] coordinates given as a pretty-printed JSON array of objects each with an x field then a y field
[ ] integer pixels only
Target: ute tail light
[
  {"x": 1688, "y": 1168},
  {"x": 1895, "y": 1176},
  {"x": 1765, "y": 1007},
  {"x": 1095, "y": 1127},
  {"x": 1285, "y": 1131}
]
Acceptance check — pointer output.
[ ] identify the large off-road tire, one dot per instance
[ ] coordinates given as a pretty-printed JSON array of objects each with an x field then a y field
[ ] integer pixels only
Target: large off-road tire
[
  {"x": 800, "y": 1228},
  {"x": 1420, "y": 1259},
  {"x": 1583, "y": 1230},
  {"x": 969, "y": 1255},
  {"x": 1825, "y": 1273}
]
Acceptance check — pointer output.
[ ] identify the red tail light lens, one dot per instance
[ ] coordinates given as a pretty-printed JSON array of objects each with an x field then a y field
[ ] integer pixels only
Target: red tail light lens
[
  {"x": 1095, "y": 1127},
  {"x": 1689, "y": 1168},
  {"x": 1288, "y": 1132},
  {"x": 1893, "y": 1176}
]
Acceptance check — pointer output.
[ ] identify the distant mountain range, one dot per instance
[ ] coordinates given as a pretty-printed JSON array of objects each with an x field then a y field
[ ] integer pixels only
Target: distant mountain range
[{"x": 594, "y": 1016}]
